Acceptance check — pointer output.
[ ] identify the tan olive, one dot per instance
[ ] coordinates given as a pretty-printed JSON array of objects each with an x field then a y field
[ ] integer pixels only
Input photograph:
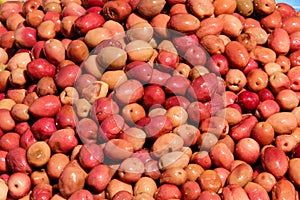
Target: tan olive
[
  {"x": 259, "y": 34},
  {"x": 133, "y": 112},
  {"x": 132, "y": 19},
  {"x": 38, "y": 154},
  {"x": 135, "y": 136},
  {"x": 232, "y": 25},
  {"x": 271, "y": 68},
  {"x": 240, "y": 175},
  {"x": 178, "y": 115},
  {"x": 188, "y": 133},
  {"x": 278, "y": 81},
  {"x": 157, "y": 111},
  {"x": 82, "y": 107},
  {"x": 176, "y": 176},
  {"x": 20, "y": 112},
  {"x": 112, "y": 58},
  {"x": 91, "y": 66},
  {"x": 139, "y": 50},
  {"x": 140, "y": 31},
  {"x": 145, "y": 185},
  {"x": 182, "y": 69},
  {"x": 232, "y": 115},
  {"x": 95, "y": 36},
  {"x": 197, "y": 71},
  {"x": 18, "y": 77},
  {"x": 160, "y": 23},
  {"x": 56, "y": 165},
  {"x": 193, "y": 171},
  {"x": 17, "y": 95},
  {"x": 283, "y": 122},
  {"x": 7, "y": 103},
  {"x": 287, "y": 99},
  {"x": 188, "y": 151},
  {"x": 38, "y": 177},
  {"x": 169, "y": 142},
  {"x": 168, "y": 46},
  {"x": 46, "y": 85},
  {"x": 173, "y": 159},
  {"x": 115, "y": 185},
  {"x": 114, "y": 78}
]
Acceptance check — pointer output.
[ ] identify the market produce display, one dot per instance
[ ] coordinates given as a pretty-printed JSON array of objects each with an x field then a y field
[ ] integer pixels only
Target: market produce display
[{"x": 149, "y": 100}]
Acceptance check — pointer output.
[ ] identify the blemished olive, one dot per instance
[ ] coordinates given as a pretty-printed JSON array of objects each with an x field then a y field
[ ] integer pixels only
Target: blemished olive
[
  {"x": 264, "y": 7},
  {"x": 244, "y": 7}
]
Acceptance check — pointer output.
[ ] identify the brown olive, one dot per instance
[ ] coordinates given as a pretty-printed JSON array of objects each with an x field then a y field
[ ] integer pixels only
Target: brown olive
[
  {"x": 244, "y": 7},
  {"x": 210, "y": 180}
]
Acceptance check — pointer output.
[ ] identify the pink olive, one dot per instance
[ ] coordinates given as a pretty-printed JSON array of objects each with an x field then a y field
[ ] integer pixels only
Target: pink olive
[
  {"x": 46, "y": 106},
  {"x": 167, "y": 191},
  {"x": 67, "y": 76},
  {"x": 39, "y": 68},
  {"x": 248, "y": 150},
  {"x": 16, "y": 160},
  {"x": 90, "y": 155},
  {"x": 7, "y": 123},
  {"x": 87, "y": 22},
  {"x": 275, "y": 161},
  {"x": 221, "y": 156},
  {"x": 129, "y": 92},
  {"x": 54, "y": 51},
  {"x": 63, "y": 140},
  {"x": 25, "y": 37},
  {"x": 253, "y": 190},
  {"x": 272, "y": 21}
]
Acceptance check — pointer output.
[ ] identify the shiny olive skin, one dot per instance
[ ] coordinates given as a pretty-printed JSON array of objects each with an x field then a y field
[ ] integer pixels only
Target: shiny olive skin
[{"x": 245, "y": 7}]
